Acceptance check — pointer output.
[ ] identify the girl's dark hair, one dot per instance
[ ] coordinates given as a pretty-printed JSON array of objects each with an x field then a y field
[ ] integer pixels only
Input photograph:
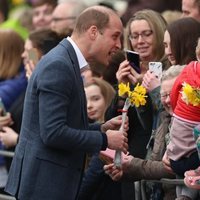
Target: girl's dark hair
[
  {"x": 36, "y": 3},
  {"x": 4, "y": 8},
  {"x": 184, "y": 34},
  {"x": 45, "y": 40}
]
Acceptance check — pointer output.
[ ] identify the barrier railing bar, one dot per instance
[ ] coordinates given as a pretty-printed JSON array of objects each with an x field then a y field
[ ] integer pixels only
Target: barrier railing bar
[
  {"x": 6, "y": 153},
  {"x": 6, "y": 197}
]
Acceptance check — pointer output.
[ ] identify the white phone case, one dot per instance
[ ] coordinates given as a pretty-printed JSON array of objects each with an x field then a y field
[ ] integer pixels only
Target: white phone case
[{"x": 156, "y": 67}]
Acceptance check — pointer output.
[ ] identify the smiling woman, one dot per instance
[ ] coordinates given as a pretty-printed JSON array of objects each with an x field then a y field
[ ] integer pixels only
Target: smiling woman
[
  {"x": 144, "y": 35},
  {"x": 181, "y": 34}
]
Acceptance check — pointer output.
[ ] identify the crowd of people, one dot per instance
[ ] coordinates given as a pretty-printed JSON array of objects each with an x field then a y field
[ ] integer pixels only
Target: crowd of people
[{"x": 61, "y": 63}]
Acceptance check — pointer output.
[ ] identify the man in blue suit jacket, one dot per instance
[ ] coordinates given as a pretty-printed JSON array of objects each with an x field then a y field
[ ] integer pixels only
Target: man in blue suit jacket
[{"x": 55, "y": 135}]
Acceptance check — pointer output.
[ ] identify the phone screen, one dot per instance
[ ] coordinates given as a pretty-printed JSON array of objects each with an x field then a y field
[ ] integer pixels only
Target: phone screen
[
  {"x": 33, "y": 55},
  {"x": 134, "y": 59}
]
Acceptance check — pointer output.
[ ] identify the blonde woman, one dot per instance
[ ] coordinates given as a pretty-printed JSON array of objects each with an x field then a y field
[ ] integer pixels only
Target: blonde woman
[
  {"x": 12, "y": 75},
  {"x": 144, "y": 34}
]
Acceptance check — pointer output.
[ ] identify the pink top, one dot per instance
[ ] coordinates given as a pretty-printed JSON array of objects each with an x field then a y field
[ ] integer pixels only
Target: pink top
[{"x": 182, "y": 143}]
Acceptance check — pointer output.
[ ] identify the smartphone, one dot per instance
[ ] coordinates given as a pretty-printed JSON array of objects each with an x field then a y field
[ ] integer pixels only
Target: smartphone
[
  {"x": 134, "y": 59},
  {"x": 33, "y": 55},
  {"x": 156, "y": 67}
]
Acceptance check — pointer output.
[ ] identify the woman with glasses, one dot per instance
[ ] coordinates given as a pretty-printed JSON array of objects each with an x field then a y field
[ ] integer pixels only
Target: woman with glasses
[
  {"x": 144, "y": 34},
  {"x": 145, "y": 31}
]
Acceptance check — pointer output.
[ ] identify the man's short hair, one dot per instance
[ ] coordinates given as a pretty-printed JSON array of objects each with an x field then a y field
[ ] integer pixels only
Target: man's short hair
[{"x": 93, "y": 16}]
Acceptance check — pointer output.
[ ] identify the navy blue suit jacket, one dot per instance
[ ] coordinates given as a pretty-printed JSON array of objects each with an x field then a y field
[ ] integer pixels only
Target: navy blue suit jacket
[{"x": 50, "y": 155}]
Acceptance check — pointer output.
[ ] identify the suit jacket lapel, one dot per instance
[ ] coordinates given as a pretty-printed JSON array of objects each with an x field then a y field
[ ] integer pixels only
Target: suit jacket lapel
[{"x": 70, "y": 50}]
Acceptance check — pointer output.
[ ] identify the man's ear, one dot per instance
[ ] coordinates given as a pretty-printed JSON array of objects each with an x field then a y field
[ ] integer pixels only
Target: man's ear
[{"x": 93, "y": 32}]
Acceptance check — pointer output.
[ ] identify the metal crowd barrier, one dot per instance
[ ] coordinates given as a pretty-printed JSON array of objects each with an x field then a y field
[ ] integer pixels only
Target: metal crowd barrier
[
  {"x": 6, "y": 154},
  {"x": 6, "y": 197},
  {"x": 139, "y": 185},
  {"x": 163, "y": 180}
]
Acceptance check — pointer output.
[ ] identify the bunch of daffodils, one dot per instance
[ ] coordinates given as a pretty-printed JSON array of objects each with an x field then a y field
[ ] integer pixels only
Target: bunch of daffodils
[
  {"x": 190, "y": 95},
  {"x": 136, "y": 97}
]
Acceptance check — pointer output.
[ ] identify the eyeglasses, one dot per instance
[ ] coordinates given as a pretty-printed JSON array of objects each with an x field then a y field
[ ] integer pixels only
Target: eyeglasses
[
  {"x": 143, "y": 34},
  {"x": 56, "y": 19},
  {"x": 165, "y": 95}
]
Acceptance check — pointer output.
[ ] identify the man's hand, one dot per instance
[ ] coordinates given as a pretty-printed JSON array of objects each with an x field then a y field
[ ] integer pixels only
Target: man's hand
[
  {"x": 117, "y": 140},
  {"x": 114, "y": 124}
]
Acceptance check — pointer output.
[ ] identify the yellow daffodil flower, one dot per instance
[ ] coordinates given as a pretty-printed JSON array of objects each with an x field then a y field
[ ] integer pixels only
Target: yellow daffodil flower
[
  {"x": 136, "y": 97},
  {"x": 17, "y": 2},
  {"x": 133, "y": 98},
  {"x": 190, "y": 95},
  {"x": 124, "y": 89}
]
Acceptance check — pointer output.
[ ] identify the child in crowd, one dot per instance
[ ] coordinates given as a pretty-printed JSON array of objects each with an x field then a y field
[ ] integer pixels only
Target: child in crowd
[
  {"x": 99, "y": 94},
  {"x": 192, "y": 177},
  {"x": 181, "y": 154}
]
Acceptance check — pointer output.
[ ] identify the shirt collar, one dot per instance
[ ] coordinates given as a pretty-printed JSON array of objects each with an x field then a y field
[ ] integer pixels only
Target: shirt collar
[{"x": 81, "y": 60}]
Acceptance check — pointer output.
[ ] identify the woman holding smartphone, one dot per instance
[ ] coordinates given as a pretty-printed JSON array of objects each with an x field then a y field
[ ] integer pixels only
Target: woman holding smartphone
[{"x": 145, "y": 34}]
